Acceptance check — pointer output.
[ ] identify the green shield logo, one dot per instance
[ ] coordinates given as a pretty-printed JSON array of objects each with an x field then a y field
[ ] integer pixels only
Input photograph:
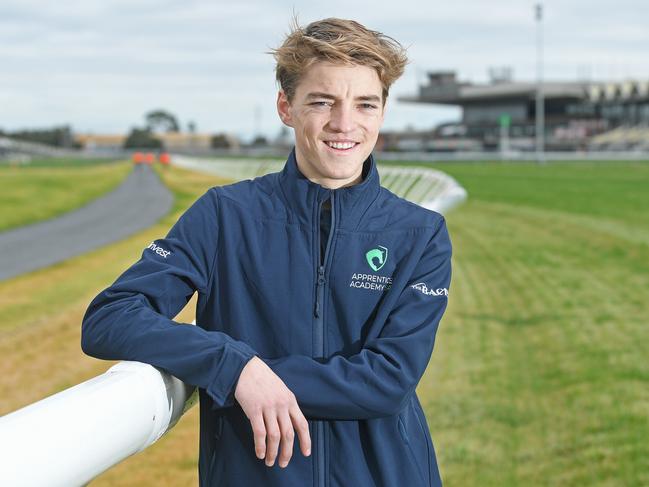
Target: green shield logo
[{"x": 376, "y": 258}]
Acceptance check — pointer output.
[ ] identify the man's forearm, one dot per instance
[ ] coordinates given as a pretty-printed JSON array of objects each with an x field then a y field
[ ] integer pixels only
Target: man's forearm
[{"x": 124, "y": 328}]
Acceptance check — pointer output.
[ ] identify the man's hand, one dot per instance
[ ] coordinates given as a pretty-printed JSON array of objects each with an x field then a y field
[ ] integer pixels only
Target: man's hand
[{"x": 273, "y": 413}]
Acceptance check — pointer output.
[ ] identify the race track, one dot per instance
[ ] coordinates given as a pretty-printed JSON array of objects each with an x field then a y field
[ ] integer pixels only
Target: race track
[{"x": 139, "y": 202}]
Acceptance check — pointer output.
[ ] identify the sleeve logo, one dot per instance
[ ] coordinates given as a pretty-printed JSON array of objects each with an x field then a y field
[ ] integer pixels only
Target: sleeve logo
[
  {"x": 159, "y": 250},
  {"x": 421, "y": 287}
]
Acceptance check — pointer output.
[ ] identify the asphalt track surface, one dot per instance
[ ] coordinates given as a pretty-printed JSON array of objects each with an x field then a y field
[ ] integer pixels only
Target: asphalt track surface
[{"x": 137, "y": 203}]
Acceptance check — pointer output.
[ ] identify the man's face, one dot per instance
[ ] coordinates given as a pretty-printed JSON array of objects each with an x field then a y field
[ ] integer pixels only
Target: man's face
[{"x": 337, "y": 111}]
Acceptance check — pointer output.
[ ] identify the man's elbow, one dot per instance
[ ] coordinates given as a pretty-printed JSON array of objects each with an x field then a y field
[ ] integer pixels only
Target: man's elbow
[
  {"x": 88, "y": 336},
  {"x": 398, "y": 403},
  {"x": 92, "y": 329},
  {"x": 393, "y": 400}
]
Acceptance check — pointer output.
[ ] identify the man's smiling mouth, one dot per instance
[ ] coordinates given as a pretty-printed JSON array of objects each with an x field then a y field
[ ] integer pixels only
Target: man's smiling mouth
[{"x": 341, "y": 145}]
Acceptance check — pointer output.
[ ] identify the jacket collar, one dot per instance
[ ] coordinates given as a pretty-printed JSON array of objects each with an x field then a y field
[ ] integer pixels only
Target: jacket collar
[{"x": 304, "y": 196}]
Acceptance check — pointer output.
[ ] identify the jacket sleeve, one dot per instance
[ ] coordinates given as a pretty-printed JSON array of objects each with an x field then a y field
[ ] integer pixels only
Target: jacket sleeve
[
  {"x": 380, "y": 379},
  {"x": 132, "y": 319}
]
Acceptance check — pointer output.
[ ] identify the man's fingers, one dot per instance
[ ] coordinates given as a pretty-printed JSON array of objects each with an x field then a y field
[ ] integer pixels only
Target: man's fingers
[
  {"x": 259, "y": 432},
  {"x": 273, "y": 412},
  {"x": 286, "y": 428},
  {"x": 301, "y": 426},
  {"x": 273, "y": 436}
]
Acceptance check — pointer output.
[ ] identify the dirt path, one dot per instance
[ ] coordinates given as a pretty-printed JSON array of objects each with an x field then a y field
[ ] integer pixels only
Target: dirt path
[{"x": 139, "y": 202}]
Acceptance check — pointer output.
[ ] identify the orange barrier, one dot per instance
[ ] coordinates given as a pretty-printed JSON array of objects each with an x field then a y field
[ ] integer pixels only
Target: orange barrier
[{"x": 164, "y": 158}]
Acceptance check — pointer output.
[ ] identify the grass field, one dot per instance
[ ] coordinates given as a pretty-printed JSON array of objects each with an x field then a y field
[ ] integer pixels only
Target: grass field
[
  {"x": 44, "y": 189},
  {"x": 540, "y": 372},
  {"x": 539, "y": 376}
]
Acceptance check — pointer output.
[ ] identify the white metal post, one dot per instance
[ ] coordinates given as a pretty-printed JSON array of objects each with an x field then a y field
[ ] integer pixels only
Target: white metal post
[{"x": 540, "y": 105}]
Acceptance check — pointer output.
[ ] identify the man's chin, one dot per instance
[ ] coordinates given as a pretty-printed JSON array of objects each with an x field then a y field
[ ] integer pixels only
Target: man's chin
[
  {"x": 344, "y": 178},
  {"x": 341, "y": 163}
]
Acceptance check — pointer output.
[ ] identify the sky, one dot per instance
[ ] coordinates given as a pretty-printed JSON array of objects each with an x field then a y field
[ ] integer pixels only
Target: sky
[{"x": 99, "y": 66}]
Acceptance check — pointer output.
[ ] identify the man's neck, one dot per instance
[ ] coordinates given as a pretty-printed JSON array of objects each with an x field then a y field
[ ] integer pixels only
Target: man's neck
[
  {"x": 333, "y": 183},
  {"x": 328, "y": 182}
]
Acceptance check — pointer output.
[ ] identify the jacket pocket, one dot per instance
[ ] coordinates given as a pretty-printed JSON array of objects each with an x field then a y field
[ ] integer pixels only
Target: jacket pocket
[
  {"x": 415, "y": 440},
  {"x": 210, "y": 469},
  {"x": 218, "y": 431},
  {"x": 218, "y": 428},
  {"x": 421, "y": 419}
]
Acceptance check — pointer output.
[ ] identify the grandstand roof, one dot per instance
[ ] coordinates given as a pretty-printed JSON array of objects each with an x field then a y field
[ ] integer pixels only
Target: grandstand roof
[
  {"x": 550, "y": 90},
  {"x": 444, "y": 88},
  {"x": 459, "y": 94}
]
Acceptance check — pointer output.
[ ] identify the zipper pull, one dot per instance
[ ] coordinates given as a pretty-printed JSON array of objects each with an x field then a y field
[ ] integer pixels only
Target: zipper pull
[{"x": 321, "y": 281}]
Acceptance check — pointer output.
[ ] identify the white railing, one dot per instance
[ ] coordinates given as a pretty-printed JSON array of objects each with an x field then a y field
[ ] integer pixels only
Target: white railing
[
  {"x": 71, "y": 437},
  {"x": 429, "y": 188},
  {"x": 14, "y": 146}
]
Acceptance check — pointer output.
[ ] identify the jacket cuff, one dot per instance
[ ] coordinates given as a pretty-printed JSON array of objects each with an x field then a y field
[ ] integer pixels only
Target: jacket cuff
[{"x": 233, "y": 359}]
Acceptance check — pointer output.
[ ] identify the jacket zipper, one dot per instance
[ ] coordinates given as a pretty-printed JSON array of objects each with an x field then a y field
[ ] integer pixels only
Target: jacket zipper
[{"x": 319, "y": 327}]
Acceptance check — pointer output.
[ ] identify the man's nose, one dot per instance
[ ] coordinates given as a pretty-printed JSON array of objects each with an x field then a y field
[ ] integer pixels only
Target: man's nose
[{"x": 342, "y": 119}]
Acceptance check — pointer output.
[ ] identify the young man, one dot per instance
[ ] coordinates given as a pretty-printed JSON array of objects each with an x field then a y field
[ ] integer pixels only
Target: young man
[{"x": 319, "y": 292}]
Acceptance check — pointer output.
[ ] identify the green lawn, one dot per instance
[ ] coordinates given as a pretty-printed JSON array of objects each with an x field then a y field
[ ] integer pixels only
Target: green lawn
[
  {"x": 540, "y": 373},
  {"x": 47, "y": 188},
  {"x": 59, "y": 162}
]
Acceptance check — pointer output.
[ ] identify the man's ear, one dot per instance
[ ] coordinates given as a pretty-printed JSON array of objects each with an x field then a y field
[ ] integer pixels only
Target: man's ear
[{"x": 284, "y": 108}]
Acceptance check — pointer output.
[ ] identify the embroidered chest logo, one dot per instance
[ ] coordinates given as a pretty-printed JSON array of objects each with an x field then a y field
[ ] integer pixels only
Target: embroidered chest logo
[{"x": 376, "y": 258}]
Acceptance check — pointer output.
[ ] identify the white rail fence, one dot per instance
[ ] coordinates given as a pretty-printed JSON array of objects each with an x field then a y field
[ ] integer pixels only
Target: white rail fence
[
  {"x": 71, "y": 437},
  {"x": 429, "y": 188}
]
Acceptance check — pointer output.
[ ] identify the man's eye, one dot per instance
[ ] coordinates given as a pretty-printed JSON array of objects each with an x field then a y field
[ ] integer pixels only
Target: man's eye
[
  {"x": 320, "y": 103},
  {"x": 368, "y": 106}
]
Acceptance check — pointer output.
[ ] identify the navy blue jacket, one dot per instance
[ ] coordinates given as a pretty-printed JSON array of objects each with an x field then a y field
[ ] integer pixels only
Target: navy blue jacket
[{"x": 350, "y": 337}]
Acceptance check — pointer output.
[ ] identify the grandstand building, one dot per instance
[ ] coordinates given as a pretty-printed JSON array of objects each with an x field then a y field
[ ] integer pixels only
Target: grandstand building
[
  {"x": 179, "y": 142},
  {"x": 578, "y": 115}
]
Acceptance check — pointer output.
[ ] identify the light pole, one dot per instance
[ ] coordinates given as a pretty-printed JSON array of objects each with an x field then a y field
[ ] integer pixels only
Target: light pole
[{"x": 540, "y": 106}]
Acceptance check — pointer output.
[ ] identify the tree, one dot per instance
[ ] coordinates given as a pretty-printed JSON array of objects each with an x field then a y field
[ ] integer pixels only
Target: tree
[
  {"x": 142, "y": 139},
  {"x": 259, "y": 141},
  {"x": 161, "y": 120},
  {"x": 57, "y": 136},
  {"x": 220, "y": 141}
]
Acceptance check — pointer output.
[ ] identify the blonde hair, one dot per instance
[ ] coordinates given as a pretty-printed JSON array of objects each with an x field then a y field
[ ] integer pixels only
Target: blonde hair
[{"x": 338, "y": 41}]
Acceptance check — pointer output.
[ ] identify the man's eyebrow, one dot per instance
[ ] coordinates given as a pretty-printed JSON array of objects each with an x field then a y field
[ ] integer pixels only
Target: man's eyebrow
[
  {"x": 319, "y": 94},
  {"x": 369, "y": 98},
  {"x": 328, "y": 96}
]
